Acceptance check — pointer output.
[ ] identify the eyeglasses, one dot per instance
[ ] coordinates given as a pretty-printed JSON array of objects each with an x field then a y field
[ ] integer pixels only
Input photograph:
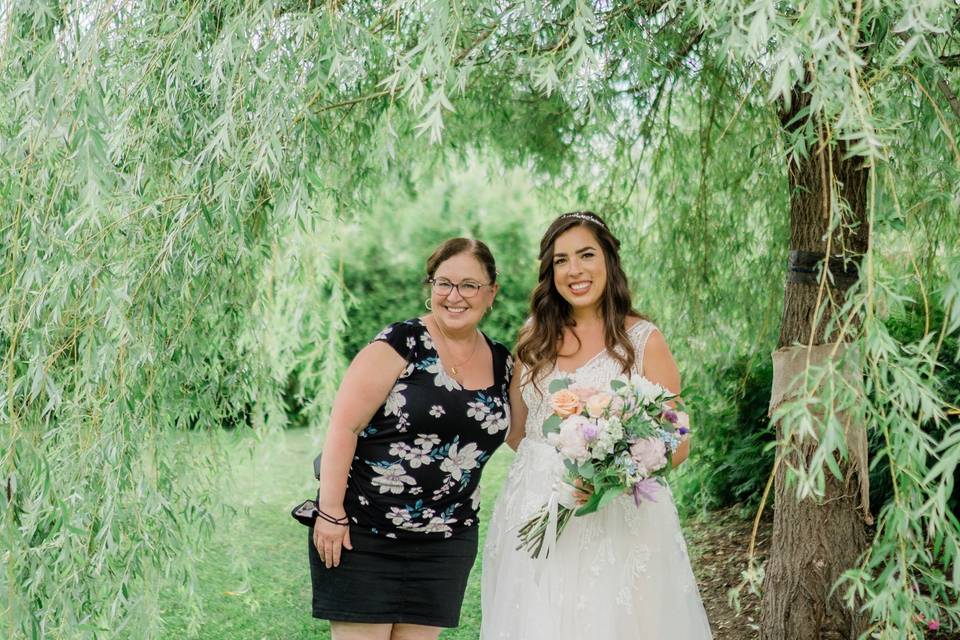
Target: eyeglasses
[{"x": 443, "y": 287}]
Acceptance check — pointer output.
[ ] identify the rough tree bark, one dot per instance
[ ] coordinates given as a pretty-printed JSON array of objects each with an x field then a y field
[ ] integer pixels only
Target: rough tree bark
[{"x": 815, "y": 541}]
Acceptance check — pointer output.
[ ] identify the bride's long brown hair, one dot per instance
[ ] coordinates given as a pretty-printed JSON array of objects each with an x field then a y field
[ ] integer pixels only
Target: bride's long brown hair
[{"x": 540, "y": 338}]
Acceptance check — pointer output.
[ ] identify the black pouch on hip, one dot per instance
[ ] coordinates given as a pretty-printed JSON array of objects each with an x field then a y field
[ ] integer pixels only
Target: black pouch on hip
[{"x": 306, "y": 512}]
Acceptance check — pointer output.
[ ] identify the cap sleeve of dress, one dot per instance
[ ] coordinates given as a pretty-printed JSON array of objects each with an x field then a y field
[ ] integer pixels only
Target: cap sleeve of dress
[
  {"x": 640, "y": 333},
  {"x": 402, "y": 336}
]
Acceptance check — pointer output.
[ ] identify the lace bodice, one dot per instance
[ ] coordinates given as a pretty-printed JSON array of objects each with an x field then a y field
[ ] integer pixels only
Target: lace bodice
[{"x": 596, "y": 372}]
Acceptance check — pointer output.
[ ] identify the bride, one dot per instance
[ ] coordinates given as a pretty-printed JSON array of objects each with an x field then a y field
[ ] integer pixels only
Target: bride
[{"x": 621, "y": 573}]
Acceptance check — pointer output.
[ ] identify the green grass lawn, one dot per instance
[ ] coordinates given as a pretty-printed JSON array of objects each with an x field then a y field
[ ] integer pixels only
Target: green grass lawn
[{"x": 254, "y": 580}]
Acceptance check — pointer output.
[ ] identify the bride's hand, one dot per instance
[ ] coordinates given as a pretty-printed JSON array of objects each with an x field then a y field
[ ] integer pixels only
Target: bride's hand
[{"x": 582, "y": 491}]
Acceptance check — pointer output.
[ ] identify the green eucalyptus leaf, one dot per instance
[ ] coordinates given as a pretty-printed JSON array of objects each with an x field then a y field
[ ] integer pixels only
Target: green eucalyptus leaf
[
  {"x": 586, "y": 470},
  {"x": 552, "y": 424}
]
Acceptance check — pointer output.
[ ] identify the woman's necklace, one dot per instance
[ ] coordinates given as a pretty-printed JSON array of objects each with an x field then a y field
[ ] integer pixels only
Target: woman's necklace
[{"x": 446, "y": 344}]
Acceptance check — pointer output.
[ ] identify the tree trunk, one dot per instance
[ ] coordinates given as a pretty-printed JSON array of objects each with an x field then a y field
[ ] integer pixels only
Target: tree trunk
[{"x": 815, "y": 541}]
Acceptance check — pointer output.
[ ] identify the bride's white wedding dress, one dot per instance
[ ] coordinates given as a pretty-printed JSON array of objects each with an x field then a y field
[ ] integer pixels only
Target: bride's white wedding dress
[{"x": 621, "y": 573}]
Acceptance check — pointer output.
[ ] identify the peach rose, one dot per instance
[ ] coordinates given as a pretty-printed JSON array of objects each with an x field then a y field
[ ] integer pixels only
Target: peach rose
[
  {"x": 565, "y": 403},
  {"x": 597, "y": 404}
]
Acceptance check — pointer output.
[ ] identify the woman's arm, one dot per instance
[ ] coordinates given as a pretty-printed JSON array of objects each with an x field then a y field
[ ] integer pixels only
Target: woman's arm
[
  {"x": 659, "y": 367},
  {"x": 518, "y": 412},
  {"x": 364, "y": 387}
]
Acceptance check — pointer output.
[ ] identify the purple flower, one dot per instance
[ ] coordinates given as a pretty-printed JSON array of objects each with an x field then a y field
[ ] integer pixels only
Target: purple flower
[
  {"x": 671, "y": 415},
  {"x": 589, "y": 430},
  {"x": 683, "y": 431}
]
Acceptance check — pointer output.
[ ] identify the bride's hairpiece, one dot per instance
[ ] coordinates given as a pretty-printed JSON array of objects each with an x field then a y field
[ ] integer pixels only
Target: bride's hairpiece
[{"x": 580, "y": 215}]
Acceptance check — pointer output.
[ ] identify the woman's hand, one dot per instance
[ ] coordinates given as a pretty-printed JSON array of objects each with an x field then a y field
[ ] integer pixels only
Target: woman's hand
[
  {"x": 330, "y": 539},
  {"x": 582, "y": 491}
]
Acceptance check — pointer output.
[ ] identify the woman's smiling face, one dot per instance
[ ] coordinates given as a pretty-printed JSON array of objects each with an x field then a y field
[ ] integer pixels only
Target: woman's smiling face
[
  {"x": 453, "y": 309},
  {"x": 579, "y": 268}
]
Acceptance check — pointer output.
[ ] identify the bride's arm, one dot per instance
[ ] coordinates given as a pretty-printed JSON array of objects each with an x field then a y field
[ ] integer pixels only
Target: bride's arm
[
  {"x": 518, "y": 413},
  {"x": 659, "y": 367}
]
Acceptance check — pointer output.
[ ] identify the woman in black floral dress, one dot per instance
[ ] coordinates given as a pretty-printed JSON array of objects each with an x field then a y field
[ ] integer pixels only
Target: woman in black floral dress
[{"x": 419, "y": 412}]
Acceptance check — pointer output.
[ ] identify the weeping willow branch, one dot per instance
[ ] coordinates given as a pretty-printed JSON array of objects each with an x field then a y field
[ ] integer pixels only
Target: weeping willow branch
[
  {"x": 135, "y": 317},
  {"x": 950, "y": 96}
]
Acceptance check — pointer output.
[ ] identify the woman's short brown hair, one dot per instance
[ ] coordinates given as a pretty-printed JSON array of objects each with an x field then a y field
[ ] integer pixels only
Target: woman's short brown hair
[{"x": 456, "y": 246}]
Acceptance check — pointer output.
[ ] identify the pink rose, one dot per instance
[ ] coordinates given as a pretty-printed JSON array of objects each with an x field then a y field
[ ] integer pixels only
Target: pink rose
[
  {"x": 570, "y": 441},
  {"x": 584, "y": 393},
  {"x": 650, "y": 454},
  {"x": 597, "y": 404},
  {"x": 616, "y": 406},
  {"x": 565, "y": 403}
]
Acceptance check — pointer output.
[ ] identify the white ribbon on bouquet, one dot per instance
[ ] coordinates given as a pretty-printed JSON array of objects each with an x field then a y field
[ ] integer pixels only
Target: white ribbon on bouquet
[{"x": 561, "y": 494}]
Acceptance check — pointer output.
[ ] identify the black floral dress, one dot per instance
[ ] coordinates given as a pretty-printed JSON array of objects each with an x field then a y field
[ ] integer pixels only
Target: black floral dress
[{"x": 413, "y": 492}]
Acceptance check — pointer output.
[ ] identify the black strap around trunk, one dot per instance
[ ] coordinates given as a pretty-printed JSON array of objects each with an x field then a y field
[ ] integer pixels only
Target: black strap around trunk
[{"x": 804, "y": 267}]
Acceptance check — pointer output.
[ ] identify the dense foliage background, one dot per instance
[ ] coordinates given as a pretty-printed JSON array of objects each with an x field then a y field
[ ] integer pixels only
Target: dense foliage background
[{"x": 209, "y": 206}]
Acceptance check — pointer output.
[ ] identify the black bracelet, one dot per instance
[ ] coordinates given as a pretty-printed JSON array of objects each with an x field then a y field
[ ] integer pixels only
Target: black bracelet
[{"x": 343, "y": 522}]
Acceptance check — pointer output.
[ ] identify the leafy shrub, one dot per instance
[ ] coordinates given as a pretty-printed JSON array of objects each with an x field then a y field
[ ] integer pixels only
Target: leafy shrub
[
  {"x": 909, "y": 326},
  {"x": 732, "y": 451}
]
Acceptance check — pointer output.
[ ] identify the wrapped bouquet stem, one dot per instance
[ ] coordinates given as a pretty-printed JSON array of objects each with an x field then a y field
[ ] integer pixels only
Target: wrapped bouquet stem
[{"x": 547, "y": 524}]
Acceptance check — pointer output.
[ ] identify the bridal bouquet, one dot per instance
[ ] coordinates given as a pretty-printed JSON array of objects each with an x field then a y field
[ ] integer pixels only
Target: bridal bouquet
[{"x": 617, "y": 440}]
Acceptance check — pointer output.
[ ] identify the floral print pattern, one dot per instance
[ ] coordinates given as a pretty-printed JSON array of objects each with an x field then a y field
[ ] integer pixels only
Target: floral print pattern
[
  {"x": 491, "y": 412},
  {"x": 417, "y": 466},
  {"x": 391, "y": 478}
]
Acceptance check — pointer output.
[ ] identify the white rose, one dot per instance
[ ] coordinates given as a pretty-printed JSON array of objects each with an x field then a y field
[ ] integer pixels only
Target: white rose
[{"x": 648, "y": 391}]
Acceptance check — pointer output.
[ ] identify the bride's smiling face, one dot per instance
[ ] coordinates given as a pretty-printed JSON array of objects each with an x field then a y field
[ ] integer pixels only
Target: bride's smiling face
[{"x": 579, "y": 268}]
